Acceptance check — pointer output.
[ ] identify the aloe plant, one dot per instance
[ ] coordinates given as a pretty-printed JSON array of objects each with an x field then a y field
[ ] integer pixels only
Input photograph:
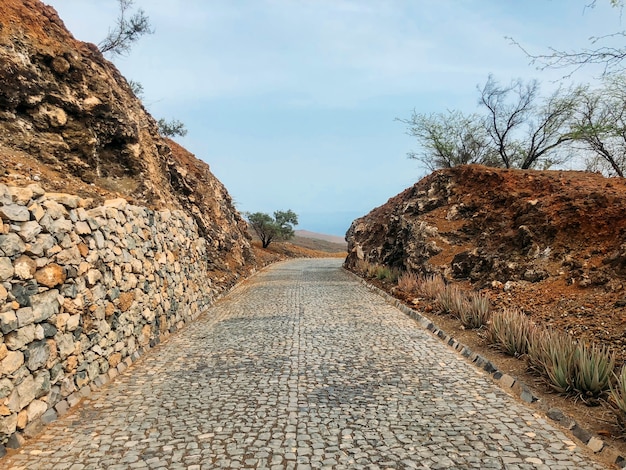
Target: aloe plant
[
  {"x": 451, "y": 300},
  {"x": 510, "y": 330},
  {"x": 476, "y": 312},
  {"x": 559, "y": 364},
  {"x": 538, "y": 350},
  {"x": 617, "y": 397},
  {"x": 594, "y": 368}
]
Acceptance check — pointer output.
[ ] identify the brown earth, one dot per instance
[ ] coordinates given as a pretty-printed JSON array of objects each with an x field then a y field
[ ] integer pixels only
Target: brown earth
[
  {"x": 550, "y": 243},
  {"x": 296, "y": 247},
  {"x": 334, "y": 239},
  {"x": 279, "y": 251},
  {"x": 64, "y": 104},
  {"x": 319, "y": 245}
]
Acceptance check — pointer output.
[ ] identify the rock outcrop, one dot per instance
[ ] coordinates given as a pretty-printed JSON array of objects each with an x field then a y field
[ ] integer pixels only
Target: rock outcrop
[
  {"x": 484, "y": 225},
  {"x": 549, "y": 243},
  {"x": 208, "y": 202},
  {"x": 62, "y": 102}
]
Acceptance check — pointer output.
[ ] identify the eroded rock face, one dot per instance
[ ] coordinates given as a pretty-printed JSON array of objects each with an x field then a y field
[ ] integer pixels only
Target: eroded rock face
[
  {"x": 72, "y": 118},
  {"x": 491, "y": 225},
  {"x": 212, "y": 208},
  {"x": 62, "y": 102}
]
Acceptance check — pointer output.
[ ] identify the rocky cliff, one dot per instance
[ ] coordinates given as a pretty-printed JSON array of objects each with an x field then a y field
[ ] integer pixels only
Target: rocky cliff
[
  {"x": 550, "y": 242},
  {"x": 486, "y": 224},
  {"x": 69, "y": 120}
]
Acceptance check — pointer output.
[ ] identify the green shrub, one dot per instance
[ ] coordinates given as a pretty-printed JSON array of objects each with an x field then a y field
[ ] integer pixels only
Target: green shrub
[
  {"x": 394, "y": 275},
  {"x": 382, "y": 273},
  {"x": 510, "y": 330},
  {"x": 385, "y": 273}
]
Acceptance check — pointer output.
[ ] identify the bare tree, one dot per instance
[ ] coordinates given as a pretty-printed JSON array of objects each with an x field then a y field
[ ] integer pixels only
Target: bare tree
[
  {"x": 505, "y": 115},
  {"x": 126, "y": 30},
  {"x": 525, "y": 131},
  {"x": 450, "y": 139},
  {"x": 600, "y": 125},
  {"x": 610, "y": 57},
  {"x": 549, "y": 129}
]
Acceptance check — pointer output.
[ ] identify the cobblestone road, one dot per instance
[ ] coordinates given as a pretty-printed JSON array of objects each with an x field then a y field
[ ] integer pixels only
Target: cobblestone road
[{"x": 301, "y": 367}]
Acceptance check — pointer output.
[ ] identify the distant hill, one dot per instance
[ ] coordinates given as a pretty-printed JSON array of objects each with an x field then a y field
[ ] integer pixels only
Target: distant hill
[
  {"x": 312, "y": 241},
  {"x": 322, "y": 236},
  {"x": 319, "y": 245}
]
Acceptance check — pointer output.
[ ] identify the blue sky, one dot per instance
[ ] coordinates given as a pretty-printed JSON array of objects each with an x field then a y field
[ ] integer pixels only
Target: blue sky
[{"x": 293, "y": 102}]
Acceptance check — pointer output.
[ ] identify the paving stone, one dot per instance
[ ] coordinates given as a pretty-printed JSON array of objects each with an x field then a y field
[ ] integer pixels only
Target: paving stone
[{"x": 302, "y": 367}]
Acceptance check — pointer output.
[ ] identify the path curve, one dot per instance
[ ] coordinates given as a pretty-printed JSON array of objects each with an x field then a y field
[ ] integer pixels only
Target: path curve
[{"x": 301, "y": 367}]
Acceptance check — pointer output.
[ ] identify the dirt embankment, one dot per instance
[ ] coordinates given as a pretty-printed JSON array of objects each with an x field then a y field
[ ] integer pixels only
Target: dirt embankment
[{"x": 552, "y": 243}]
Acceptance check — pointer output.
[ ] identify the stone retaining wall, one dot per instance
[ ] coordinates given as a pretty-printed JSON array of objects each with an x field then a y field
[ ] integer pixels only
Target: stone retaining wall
[{"x": 83, "y": 290}]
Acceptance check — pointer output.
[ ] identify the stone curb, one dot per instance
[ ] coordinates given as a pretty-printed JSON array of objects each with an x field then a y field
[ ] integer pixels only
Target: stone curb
[{"x": 505, "y": 381}]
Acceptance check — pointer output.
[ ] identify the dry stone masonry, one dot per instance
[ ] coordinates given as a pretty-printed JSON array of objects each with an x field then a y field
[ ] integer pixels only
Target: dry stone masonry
[{"x": 83, "y": 290}]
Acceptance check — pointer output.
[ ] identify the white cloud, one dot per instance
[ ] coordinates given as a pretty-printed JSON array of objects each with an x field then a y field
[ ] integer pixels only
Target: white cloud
[{"x": 327, "y": 52}]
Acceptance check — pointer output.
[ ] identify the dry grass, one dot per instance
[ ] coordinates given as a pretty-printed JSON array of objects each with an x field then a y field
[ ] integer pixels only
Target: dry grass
[
  {"x": 408, "y": 282},
  {"x": 430, "y": 286}
]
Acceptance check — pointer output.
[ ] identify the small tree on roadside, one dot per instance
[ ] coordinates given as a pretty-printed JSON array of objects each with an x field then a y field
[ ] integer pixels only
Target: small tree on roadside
[
  {"x": 268, "y": 228},
  {"x": 127, "y": 30}
]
